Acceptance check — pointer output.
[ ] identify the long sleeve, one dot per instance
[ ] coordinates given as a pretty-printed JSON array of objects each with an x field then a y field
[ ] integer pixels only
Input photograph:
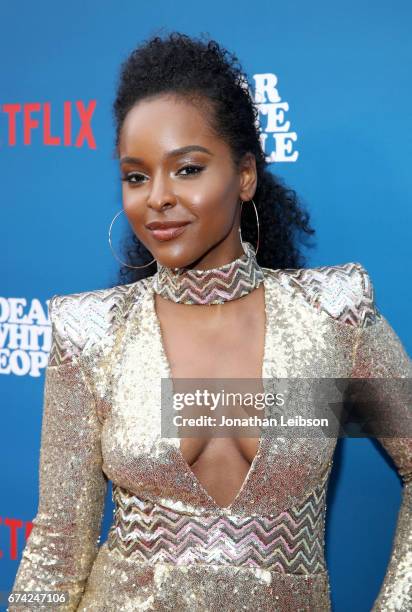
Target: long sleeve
[
  {"x": 63, "y": 543},
  {"x": 379, "y": 354}
]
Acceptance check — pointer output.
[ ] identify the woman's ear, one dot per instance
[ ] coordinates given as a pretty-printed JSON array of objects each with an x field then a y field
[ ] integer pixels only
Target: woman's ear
[{"x": 248, "y": 177}]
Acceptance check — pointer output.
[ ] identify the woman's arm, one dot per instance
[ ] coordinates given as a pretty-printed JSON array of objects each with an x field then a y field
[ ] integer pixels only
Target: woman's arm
[
  {"x": 379, "y": 354},
  {"x": 64, "y": 540}
]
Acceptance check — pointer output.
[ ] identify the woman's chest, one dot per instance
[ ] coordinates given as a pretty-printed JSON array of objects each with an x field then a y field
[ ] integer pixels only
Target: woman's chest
[{"x": 142, "y": 454}]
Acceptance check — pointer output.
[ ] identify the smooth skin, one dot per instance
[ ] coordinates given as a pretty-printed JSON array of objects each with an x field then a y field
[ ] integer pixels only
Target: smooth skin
[{"x": 205, "y": 188}]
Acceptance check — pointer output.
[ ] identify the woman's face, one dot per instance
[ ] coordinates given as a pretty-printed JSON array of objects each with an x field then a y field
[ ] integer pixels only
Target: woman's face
[{"x": 175, "y": 169}]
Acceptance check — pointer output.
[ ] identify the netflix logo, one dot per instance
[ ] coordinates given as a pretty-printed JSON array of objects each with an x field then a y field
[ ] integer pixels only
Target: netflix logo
[
  {"x": 10, "y": 528},
  {"x": 58, "y": 125}
]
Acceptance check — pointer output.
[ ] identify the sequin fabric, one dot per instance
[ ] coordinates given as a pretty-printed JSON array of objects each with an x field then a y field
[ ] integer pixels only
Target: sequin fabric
[
  {"x": 215, "y": 286},
  {"x": 171, "y": 546},
  {"x": 289, "y": 542}
]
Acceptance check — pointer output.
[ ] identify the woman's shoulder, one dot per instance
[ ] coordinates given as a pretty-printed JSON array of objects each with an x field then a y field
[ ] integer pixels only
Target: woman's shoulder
[
  {"x": 344, "y": 291},
  {"x": 80, "y": 320}
]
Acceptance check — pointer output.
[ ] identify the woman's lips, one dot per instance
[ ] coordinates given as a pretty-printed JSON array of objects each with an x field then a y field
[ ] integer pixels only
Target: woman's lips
[{"x": 168, "y": 234}]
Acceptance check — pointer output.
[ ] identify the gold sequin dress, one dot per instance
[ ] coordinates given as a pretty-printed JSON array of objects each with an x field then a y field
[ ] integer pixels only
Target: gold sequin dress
[{"x": 171, "y": 546}]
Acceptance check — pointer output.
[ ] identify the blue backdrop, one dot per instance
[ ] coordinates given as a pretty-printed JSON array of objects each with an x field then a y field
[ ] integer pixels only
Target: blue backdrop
[{"x": 339, "y": 132}]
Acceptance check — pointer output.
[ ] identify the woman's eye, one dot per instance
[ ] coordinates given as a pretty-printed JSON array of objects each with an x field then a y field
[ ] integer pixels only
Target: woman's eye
[
  {"x": 130, "y": 178},
  {"x": 134, "y": 178},
  {"x": 198, "y": 169}
]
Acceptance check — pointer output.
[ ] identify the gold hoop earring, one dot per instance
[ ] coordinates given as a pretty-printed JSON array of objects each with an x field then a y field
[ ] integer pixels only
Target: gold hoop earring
[
  {"x": 257, "y": 221},
  {"x": 113, "y": 251}
]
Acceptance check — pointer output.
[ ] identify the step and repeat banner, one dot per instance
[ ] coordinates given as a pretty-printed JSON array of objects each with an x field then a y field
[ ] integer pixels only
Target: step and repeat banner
[{"x": 332, "y": 83}]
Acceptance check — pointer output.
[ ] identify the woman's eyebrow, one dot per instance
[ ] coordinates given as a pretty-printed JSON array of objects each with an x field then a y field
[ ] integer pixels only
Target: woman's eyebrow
[{"x": 173, "y": 153}]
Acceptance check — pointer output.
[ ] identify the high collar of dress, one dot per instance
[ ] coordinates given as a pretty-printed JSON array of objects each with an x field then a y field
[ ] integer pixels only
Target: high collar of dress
[{"x": 214, "y": 286}]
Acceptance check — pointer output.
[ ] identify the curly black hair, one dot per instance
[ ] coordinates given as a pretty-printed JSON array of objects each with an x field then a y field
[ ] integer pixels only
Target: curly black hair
[{"x": 202, "y": 71}]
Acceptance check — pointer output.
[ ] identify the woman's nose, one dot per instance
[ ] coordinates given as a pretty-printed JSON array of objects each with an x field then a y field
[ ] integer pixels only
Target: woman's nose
[{"x": 161, "y": 194}]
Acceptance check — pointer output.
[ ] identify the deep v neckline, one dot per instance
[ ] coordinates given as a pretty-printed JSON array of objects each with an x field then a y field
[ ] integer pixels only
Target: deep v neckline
[{"x": 167, "y": 373}]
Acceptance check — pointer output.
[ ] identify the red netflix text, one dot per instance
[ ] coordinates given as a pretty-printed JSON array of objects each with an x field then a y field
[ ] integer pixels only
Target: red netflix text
[
  {"x": 10, "y": 530},
  {"x": 23, "y": 119}
]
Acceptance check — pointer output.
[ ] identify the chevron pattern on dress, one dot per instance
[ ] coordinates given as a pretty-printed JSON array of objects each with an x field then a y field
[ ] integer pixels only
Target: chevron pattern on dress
[
  {"x": 290, "y": 542},
  {"x": 231, "y": 281},
  {"x": 79, "y": 320},
  {"x": 345, "y": 291}
]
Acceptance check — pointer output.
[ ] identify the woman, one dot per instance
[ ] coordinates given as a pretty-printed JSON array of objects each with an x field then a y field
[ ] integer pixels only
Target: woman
[{"x": 201, "y": 523}]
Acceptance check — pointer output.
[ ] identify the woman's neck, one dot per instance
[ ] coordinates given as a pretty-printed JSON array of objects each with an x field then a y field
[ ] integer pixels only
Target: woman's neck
[{"x": 210, "y": 286}]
